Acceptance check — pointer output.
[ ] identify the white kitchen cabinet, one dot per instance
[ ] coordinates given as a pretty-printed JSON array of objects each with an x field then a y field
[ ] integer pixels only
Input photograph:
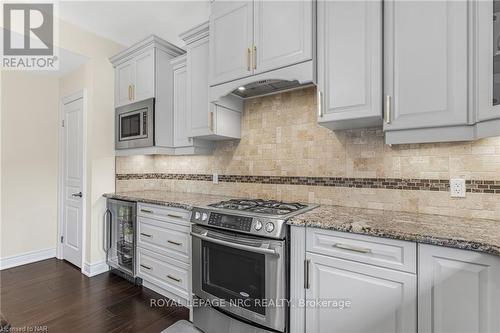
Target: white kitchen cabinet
[
  {"x": 135, "y": 79},
  {"x": 252, "y": 37},
  {"x": 283, "y": 33},
  {"x": 459, "y": 291},
  {"x": 231, "y": 27},
  {"x": 207, "y": 120},
  {"x": 380, "y": 300},
  {"x": 349, "y": 64},
  {"x": 426, "y": 71},
  {"x": 124, "y": 79}
]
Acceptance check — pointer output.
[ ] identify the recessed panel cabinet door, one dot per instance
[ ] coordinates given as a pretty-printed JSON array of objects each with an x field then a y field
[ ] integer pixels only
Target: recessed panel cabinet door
[
  {"x": 144, "y": 86},
  {"x": 381, "y": 300},
  {"x": 459, "y": 291},
  {"x": 231, "y": 39},
  {"x": 488, "y": 63},
  {"x": 426, "y": 63},
  {"x": 181, "y": 138},
  {"x": 350, "y": 63},
  {"x": 283, "y": 33},
  {"x": 124, "y": 79}
]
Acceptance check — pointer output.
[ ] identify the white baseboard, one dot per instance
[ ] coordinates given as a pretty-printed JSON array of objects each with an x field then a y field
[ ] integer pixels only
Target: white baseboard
[
  {"x": 95, "y": 269},
  {"x": 26, "y": 258}
]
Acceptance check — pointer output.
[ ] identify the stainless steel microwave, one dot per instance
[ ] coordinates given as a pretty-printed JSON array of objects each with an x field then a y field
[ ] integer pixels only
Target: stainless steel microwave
[{"x": 134, "y": 125}]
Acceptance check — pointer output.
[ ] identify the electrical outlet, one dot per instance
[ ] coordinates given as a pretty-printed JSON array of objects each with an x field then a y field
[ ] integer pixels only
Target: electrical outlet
[
  {"x": 457, "y": 188},
  {"x": 215, "y": 178}
]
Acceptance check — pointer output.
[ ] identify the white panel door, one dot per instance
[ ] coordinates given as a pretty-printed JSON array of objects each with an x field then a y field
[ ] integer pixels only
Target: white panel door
[
  {"x": 283, "y": 33},
  {"x": 231, "y": 38},
  {"x": 124, "y": 80},
  {"x": 381, "y": 300},
  {"x": 488, "y": 59},
  {"x": 72, "y": 145},
  {"x": 459, "y": 291},
  {"x": 144, "y": 85},
  {"x": 197, "y": 89},
  {"x": 426, "y": 63},
  {"x": 181, "y": 137},
  {"x": 350, "y": 59}
]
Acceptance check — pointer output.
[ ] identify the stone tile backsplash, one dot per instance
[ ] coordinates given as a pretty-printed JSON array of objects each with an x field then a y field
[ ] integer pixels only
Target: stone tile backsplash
[{"x": 282, "y": 140}]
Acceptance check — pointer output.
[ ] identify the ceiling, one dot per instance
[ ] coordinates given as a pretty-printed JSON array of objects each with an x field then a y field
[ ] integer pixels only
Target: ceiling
[{"x": 127, "y": 22}]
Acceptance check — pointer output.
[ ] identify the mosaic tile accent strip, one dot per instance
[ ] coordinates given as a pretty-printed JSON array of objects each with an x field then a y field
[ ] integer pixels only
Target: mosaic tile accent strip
[{"x": 474, "y": 186}]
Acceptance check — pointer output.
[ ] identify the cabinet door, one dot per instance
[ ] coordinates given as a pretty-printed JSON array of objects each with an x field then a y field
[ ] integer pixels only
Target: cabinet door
[
  {"x": 198, "y": 113},
  {"x": 144, "y": 86},
  {"x": 458, "y": 291},
  {"x": 283, "y": 33},
  {"x": 231, "y": 38},
  {"x": 124, "y": 80},
  {"x": 488, "y": 59},
  {"x": 381, "y": 300},
  {"x": 181, "y": 137},
  {"x": 350, "y": 64},
  {"x": 426, "y": 65}
]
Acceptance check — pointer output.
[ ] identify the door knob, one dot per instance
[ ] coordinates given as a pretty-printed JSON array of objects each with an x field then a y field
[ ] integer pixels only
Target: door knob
[{"x": 79, "y": 194}]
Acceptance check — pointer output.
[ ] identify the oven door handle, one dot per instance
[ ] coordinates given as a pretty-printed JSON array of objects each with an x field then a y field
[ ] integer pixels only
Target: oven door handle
[{"x": 236, "y": 245}]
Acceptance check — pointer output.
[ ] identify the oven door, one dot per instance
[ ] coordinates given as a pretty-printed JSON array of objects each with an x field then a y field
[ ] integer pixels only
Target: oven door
[
  {"x": 242, "y": 275},
  {"x": 134, "y": 125}
]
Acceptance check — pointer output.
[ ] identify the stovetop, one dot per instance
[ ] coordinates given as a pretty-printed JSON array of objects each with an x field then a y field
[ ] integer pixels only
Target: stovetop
[
  {"x": 257, "y": 217},
  {"x": 259, "y": 206}
]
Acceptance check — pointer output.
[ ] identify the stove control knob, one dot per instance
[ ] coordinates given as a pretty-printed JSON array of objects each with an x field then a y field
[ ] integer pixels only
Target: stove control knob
[
  {"x": 258, "y": 225},
  {"x": 269, "y": 227},
  {"x": 197, "y": 215},
  {"x": 204, "y": 216}
]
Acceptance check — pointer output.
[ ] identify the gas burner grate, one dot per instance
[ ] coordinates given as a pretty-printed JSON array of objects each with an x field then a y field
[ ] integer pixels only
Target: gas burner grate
[{"x": 271, "y": 207}]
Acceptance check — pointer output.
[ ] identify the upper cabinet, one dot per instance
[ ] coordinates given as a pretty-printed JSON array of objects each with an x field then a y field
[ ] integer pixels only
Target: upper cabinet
[
  {"x": 205, "y": 120},
  {"x": 231, "y": 27},
  {"x": 135, "y": 78},
  {"x": 349, "y": 64},
  {"x": 260, "y": 40},
  {"x": 426, "y": 65}
]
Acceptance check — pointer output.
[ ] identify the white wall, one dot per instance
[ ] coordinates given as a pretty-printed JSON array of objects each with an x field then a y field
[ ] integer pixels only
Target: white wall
[{"x": 29, "y": 167}]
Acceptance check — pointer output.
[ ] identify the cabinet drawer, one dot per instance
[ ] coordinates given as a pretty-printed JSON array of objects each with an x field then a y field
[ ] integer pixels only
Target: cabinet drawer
[
  {"x": 381, "y": 252},
  {"x": 167, "y": 273},
  {"x": 164, "y": 237},
  {"x": 171, "y": 214}
]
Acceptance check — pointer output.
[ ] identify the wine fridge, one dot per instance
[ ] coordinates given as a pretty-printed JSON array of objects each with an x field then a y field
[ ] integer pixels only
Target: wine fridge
[{"x": 119, "y": 237}]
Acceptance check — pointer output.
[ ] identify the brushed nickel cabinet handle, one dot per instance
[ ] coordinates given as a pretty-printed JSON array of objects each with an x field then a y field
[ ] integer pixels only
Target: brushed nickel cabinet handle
[
  {"x": 146, "y": 235},
  {"x": 173, "y": 278},
  {"x": 249, "y": 56},
  {"x": 320, "y": 103},
  {"x": 352, "y": 248},
  {"x": 211, "y": 121},
  {"x": 254, "y": 57},
  {"x": 174, "y": 216},
  {"x": 129, "y": 92},
  {"x": 147, "y": 211},
  {"x": 306, "y": 273},
  {"x": 175, "y": 243},
  {"x": 133, "y": 92},
  {"x": 146, "y": 267},
  {"x": 388, "y": 106}
]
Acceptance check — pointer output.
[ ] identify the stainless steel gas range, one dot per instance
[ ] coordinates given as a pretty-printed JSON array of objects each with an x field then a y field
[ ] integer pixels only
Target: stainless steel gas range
[{"x": 241, "y": 265}]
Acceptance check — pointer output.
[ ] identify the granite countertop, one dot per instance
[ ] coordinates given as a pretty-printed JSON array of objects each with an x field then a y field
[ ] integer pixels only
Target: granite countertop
[
  {"x": 184, "y": 200},
  {"x": 464, "y": 233}
]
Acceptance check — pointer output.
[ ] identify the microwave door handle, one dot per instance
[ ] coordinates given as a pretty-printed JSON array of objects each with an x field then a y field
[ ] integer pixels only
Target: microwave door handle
[{"x": 236, "y": 245}]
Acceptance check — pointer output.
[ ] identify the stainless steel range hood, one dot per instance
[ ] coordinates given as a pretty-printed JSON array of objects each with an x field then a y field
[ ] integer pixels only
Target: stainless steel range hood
[
  {"x": 266, "y": 87},
  {"x": 267, "y": 83}
]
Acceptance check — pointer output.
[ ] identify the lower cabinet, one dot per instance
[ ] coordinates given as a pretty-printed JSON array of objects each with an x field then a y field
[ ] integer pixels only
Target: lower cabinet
[
  {"x": 363, "y": 298},
  {"x": 459, "y": 291},
  {"x": 340, "y": 283},
  {"x": 164, "y": 251}
]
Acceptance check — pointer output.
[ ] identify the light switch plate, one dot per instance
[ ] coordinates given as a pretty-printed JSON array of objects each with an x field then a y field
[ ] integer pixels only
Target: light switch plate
[
  {"x": 457, "y": 188},
  {"x": 215, "y": 178}
]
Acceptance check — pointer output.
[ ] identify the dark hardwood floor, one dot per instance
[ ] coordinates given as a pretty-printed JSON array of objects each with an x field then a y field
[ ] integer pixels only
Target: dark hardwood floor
[{"x": 54, "y": 293}]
